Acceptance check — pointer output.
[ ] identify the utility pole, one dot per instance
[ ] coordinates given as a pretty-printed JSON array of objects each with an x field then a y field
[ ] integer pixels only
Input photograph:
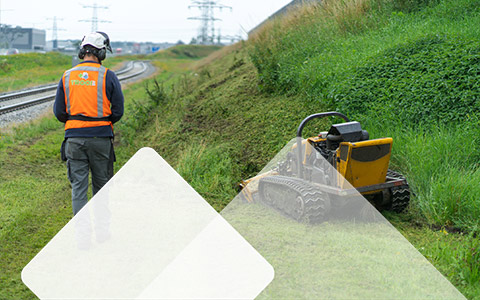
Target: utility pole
[
  {"x": 207, "y": 19},
  {"x": 55, "y": 30},
  {"x": 94, "y": 20}
]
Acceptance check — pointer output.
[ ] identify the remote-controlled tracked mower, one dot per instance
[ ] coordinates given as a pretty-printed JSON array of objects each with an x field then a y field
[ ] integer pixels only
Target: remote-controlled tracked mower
[{"x": 310, "y": 190}]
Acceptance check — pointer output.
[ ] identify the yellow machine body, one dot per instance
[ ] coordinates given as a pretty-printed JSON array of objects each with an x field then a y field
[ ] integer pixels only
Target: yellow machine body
[{"x": 363, "y": 163}]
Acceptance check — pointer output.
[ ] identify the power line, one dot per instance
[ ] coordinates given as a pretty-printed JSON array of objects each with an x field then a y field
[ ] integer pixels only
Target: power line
[
  {"x": 2, "y": 10},
  {"x": 207, "y": 19},
  {"x": 94, "y": 20},
  {"x": 55, "y": 30}
]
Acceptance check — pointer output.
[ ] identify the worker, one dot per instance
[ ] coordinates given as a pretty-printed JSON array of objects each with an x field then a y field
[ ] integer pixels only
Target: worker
[{"x": 89, "y": 101}]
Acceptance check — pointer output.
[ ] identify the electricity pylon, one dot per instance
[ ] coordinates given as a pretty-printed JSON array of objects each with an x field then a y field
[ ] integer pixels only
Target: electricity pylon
[
  {"x": 94, "y": 20},
  {"x": 55, "y": 30},
  {"x": 207, "y": 8}
]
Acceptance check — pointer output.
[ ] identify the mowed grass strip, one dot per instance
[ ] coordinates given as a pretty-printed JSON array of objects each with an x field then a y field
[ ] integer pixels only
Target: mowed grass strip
[{"x": 34, "y": 196}]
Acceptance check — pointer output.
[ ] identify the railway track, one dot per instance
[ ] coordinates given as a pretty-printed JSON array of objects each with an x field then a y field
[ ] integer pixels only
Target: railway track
[{"x": 13, "y": 101}]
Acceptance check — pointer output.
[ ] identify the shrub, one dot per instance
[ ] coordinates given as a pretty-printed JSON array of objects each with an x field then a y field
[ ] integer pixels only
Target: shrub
[
  {"x": 157, "y": 94},
  {"x": 431, "y": 80}
]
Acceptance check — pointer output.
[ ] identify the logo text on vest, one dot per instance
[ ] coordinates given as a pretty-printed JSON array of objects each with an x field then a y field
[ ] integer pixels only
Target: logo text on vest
[{"x": 84, "y": 81}]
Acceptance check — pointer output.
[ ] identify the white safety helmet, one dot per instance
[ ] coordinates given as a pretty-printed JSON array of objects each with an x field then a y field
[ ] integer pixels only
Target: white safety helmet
[{"x": 98, "y": 40}]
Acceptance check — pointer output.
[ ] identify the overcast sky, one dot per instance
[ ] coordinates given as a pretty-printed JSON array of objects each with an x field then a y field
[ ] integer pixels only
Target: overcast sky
[{"x": 134, "y": 20}]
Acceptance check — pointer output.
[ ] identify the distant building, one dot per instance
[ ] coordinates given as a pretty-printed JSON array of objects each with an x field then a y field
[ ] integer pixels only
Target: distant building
[
  {"x": 31, "y": 39},
  {"x": 119, "y": 48},
  {"x": 139, "y": 48},
  {"x": 67, "y": 46}
]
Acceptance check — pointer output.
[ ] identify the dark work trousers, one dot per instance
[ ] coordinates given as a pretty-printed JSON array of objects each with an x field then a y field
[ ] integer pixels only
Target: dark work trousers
[{"x": 84, "y": 155}]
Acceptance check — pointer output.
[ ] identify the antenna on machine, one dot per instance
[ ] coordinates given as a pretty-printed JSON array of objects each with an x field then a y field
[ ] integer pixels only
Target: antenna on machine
[
  {"x": 94, "y": 20},
  {"x": 207, "y": 8},
  {"x": 55, "y": 30}
]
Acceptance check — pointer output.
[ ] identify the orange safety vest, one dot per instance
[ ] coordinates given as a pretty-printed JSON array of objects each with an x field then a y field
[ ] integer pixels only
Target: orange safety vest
[{"x": 85, "y": 96}]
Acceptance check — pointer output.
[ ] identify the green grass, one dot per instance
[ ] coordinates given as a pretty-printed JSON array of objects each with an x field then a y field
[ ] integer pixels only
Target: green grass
[
  {"x": 215, "y": 121},
  {"x": 390, "y": 65},
  {"x": 33, "y": 199},
  {"x": 185, "y": 52},
  {"x": 31, "y": 69},
  {"x": 307, "y": 66},
  {"x": 455, "y": 255},
  {"x": 329, "y": 256},
  {"x": 442, "y": 168}
]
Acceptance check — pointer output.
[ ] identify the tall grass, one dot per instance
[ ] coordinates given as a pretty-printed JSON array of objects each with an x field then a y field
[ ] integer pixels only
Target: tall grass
[
  {"x": 185, "y": 52},
  {"x": 464, "y": 260},
  {"x": 210, "y": 170},
  {"x": 406, "y": 69},
  {"x": 441, "y": 166}
]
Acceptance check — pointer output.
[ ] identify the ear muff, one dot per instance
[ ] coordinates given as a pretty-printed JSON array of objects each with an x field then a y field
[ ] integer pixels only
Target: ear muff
[
  {"x": 101, "y": 54},
  {"x": 82, "y": 53}
]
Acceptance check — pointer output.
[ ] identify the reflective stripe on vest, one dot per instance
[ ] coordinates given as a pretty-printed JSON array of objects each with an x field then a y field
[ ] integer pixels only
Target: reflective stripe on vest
[{"x": 100, "y": 82}]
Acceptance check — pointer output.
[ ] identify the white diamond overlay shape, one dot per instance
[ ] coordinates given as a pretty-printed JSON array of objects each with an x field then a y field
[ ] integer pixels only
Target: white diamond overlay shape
[{"x": 147, "y": 235}]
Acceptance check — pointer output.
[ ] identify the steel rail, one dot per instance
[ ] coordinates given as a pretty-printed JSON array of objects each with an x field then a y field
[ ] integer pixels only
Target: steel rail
[
  {"x": 18, "y": 106},
  {"x": 145, "y": 67},
  {"x": 51, "y": 87}
]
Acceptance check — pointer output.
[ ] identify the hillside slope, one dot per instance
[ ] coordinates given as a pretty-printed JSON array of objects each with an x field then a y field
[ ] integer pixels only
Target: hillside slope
[
  {"x": 401, "y": 76},
  {"x": 405, "y": 71},
  {"x": 216, "y": 117}
]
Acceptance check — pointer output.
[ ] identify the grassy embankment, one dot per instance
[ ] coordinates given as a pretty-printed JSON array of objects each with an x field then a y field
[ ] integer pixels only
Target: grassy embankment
[
  {"x": 409, "y": 75},
  {"x": 34, "y": 190},
  {"x": 406, "y": 69},
  {"x": 32, "y": 69}
]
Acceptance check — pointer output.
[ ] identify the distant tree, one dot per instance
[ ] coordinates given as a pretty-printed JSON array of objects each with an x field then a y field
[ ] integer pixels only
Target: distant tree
[
  {"x": 193, "y": 41},
  {"x": 180, "y": 42},
  {"x": 9, "y": 34}
]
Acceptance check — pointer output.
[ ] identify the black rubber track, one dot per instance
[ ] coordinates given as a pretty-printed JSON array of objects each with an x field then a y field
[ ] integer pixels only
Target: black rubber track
[
  {"x": 400, "y": 194},
  {"x": 294, "y": 197}
]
